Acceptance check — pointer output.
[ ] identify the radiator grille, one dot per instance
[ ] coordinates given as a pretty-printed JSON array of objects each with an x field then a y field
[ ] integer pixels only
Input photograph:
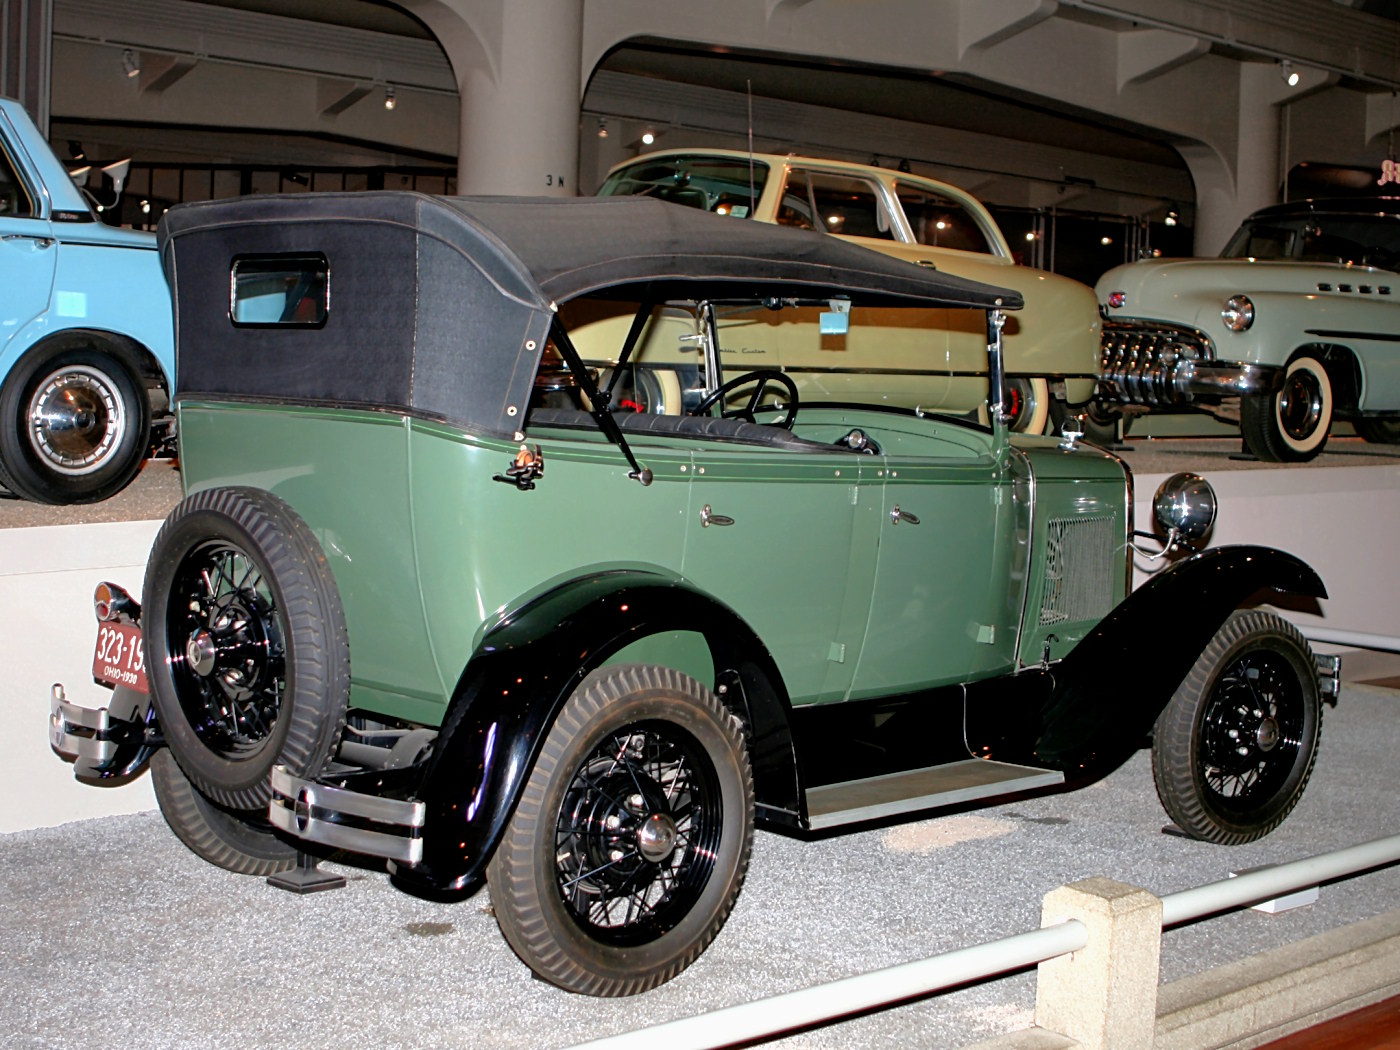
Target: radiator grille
[{"x": 1078, "y": 570}]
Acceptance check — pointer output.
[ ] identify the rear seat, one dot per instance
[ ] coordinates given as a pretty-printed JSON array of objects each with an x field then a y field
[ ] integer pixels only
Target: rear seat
[{"x": 710, "y": 428}]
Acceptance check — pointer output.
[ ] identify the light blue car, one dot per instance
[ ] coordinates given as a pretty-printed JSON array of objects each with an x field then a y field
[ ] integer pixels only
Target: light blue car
[{"x": 87, "y": 353}]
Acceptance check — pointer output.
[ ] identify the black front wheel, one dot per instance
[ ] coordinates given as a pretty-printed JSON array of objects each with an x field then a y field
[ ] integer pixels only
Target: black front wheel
[
  {"x": 1234, "y": 748},
  {"x": 630, "y": 842},
  {"x": 246, "y": 644}
]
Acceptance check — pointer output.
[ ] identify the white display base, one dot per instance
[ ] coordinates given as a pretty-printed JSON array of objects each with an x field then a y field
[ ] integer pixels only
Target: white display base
[
  {"x": 1340, "y": 520},
  {"x": 47, "y": 576}
]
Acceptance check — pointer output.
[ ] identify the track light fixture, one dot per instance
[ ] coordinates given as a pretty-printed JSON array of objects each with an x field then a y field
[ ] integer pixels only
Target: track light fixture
[
  {"x": 648, "y": 137},
  {"x": 1288, "y": 73},
  {"x": 129, "y": 63},
  {"x": 389, "y": 100},
  {"x": 602, "y": 128}
]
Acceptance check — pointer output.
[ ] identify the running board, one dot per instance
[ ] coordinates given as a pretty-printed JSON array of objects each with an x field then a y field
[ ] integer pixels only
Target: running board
[{"x": 946, "y": 785}]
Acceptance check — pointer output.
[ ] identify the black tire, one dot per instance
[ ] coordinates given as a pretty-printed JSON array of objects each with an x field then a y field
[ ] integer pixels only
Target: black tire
[
  {"x": 1100, "y": 421},
  {"x": 75, "y": 424},
  {"x": 241, "y": 842},
  {"x": 1290, "y": 426},
  {"x": 246, "y": 646},
  {"x": 1379, "y": 431},
  {"x": 613, "y": 892},
  {"x": 1234, "y": 748}
]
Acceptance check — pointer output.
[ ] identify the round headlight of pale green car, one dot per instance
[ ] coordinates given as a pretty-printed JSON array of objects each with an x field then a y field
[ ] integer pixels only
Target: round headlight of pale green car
[{"x": 1238, "y": 313}]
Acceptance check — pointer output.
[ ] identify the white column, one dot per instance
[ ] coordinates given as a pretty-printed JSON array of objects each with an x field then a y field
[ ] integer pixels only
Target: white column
[{"x": 520, "y": 98}]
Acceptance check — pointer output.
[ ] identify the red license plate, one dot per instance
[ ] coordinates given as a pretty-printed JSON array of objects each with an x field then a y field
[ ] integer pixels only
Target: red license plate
[{"x": 120, "y": 657}]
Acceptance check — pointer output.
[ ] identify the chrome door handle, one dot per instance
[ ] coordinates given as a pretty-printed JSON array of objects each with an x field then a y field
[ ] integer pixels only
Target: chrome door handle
[
  {"x": 897, "y": 515},
  {"x": 39, "y": 242},
  {"x": 709, "y": 517}
]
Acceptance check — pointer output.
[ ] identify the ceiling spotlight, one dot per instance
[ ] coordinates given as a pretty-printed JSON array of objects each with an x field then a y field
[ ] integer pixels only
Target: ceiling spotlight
[
  {"x": 1030, "y": 236},
  {"x": 75, "y": 150},
  {"x": 1171, "y": 218},
  {"x": 648, "y": 137},
  {"x": 1289, "y": 74},
  {"x": 602, "y": 128},
  {"x": 129, "y": 63},
  {"x": 389, "y": 100}
]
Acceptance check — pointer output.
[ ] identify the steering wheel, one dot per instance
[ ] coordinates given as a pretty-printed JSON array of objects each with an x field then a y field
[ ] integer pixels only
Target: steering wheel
[{"x": 763, "y": 377}]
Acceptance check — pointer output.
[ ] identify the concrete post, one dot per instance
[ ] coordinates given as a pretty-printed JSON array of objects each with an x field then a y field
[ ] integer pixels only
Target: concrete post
[
  {"x": 1104, "y": 996},
  {"x": 520, "y": 107}
]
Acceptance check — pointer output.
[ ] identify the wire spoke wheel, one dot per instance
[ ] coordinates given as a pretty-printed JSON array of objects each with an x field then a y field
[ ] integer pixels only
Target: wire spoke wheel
[
  {"x": 1252, "y": 729},
  {"x": 250, "y": 657},
  {"x": 631, "y": 838},
  {"x": 1233, "y": 750},
  {"x": 636, "y": 836},
  {"x": 225, "y": 646}
]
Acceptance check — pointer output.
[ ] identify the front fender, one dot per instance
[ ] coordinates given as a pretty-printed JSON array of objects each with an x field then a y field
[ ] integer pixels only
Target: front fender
[
  {"x": 524, "y": 670},
  {"x": 1112, "y": 686}
]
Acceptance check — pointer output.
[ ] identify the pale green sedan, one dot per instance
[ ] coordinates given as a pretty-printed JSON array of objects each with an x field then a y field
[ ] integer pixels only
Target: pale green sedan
[
  {"x": 1297, "y": 324},
  {"x": 440, "y": 594}
]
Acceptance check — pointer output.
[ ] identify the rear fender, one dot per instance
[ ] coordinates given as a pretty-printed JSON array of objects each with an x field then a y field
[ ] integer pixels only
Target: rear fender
[
  {"x": 524, "y": 670},
  {"x": 1112, "y": 686}
]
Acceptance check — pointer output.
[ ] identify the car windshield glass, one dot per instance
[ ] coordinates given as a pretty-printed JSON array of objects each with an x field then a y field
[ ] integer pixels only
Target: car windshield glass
[
  {"x": 723, "y": 185},
  {"x": 1348, "y": 239}
]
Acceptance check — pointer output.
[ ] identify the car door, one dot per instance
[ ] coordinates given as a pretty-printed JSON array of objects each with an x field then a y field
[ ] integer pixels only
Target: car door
[
  {"x": 787, "y": 539},
  {"x": 27, "y": 246},
  {"x": 945, "y": 602}
]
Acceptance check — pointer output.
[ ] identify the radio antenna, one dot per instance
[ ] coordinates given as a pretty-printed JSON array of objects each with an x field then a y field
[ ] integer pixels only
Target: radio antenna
[{"x": 753, "y": 199}]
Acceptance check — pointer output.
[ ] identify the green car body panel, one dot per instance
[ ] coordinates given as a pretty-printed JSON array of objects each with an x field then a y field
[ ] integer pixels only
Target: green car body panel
[{"x": 851, "y": 605}]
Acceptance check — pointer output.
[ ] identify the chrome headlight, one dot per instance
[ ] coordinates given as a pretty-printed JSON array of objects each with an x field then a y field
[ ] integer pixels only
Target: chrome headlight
[
  {"x": 1185, "y": 506},
  {"x": 1237, "y": 313}
]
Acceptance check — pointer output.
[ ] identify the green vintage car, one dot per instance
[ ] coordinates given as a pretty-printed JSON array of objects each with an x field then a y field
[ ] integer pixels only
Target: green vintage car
[{"x": 435, "y": 600}]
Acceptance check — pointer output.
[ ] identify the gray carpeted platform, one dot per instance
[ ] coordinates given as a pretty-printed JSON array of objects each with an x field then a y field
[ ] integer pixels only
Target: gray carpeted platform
[{"x": 114, "y": 935}]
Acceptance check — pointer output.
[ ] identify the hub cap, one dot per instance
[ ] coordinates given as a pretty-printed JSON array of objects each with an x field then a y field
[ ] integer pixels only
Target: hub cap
[
  {"x": 76, "y": 420},
  {"x": 1300, "y": 404}
]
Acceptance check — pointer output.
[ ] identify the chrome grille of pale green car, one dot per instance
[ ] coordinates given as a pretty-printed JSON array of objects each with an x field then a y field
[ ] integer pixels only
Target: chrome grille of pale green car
[
  {"x": 1078, "y": 570},
  {"x": 1139, "y": 360}
]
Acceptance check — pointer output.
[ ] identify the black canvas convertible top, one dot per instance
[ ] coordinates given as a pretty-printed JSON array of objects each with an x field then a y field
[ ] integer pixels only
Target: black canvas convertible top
[{"x": 442, "y": 305}]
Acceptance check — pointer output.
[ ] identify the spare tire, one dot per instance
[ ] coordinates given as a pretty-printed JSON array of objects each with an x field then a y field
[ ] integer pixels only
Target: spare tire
[{"x": 246, "y": 645}]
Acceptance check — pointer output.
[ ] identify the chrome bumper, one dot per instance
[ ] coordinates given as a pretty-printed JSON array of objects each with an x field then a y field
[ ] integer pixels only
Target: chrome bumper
[
  {"x": 1168, "y": 383},
  {"x": 348, "y": 820},
  {"x": 1329, "y": 674},
  {"x": 102, "y": 742},
  {"x": 1145, "y": 362}
]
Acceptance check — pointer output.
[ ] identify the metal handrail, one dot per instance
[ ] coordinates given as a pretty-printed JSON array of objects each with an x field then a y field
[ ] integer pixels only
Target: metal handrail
[
  {"x": 1278, "y": 880},
  {"x": 778, "y": 1014},
  {"x": 764, "y": 1018}
]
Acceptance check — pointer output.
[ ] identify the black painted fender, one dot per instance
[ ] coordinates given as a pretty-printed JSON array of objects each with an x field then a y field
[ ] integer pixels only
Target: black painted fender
[
  {"x": 524, "y": 670},
  {"x": 1112, "y": 686}
]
